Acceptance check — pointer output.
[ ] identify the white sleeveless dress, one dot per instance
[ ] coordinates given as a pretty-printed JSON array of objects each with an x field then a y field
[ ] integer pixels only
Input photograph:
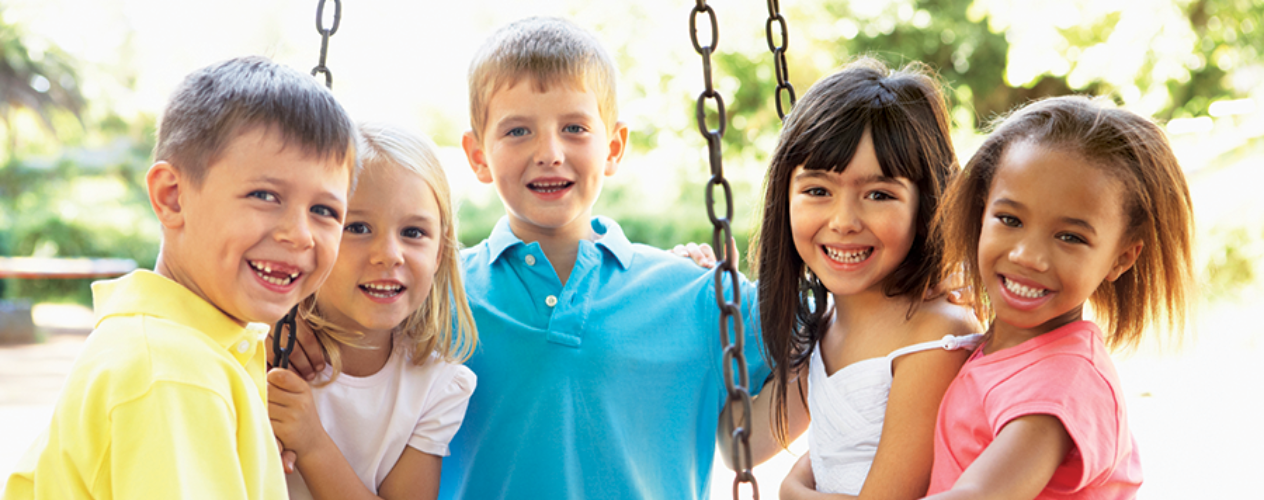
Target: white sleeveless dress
[{"x": 848, "y": 408}]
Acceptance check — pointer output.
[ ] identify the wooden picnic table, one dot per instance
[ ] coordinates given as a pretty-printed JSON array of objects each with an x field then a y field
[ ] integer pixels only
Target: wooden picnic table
[{"x": 63, "y": 267}]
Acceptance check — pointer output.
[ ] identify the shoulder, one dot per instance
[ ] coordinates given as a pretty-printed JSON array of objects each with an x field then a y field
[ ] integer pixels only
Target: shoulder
[
  {"x": 127, "y": 356},
  {"x": 938, "y": 317},
  {"x": 438, "y": 374}
]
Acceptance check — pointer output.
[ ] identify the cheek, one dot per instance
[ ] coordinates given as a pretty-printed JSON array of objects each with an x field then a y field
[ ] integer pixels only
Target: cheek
[{"x": 801, "y": 229}]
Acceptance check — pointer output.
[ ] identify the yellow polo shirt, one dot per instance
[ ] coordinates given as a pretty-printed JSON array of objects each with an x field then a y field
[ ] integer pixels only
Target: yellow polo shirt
[{"x": 166, "y": 401}]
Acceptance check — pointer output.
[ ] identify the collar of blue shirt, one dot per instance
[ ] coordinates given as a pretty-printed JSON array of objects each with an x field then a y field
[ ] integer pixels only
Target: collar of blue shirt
[{"x": 610, "y": 236}]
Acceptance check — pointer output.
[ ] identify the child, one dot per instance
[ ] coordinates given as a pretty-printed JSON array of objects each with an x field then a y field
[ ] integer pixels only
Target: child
[
  {"x": 845, "y": 260},
  {"x": 600, "y": 371},
  {"x": 385, "y": 317},
  {"x": 253, "y": 166},
  {"x": 1068, "y": 201}
]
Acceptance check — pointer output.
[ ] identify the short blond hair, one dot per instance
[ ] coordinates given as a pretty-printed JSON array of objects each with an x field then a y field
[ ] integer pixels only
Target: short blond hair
[
  {"x": 548, "y": 51},
  {"x": 443, "y": 324}
]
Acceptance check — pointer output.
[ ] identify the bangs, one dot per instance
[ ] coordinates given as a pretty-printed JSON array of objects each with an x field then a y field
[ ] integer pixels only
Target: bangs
[{"x": 833, "y": 145}]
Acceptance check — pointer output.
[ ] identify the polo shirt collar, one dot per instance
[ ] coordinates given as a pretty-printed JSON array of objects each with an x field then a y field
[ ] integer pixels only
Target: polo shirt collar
[
  {"x": 144, "y": 292},
  {"x": 501, "y": 239},
  {"x": 612, "y": 238}
]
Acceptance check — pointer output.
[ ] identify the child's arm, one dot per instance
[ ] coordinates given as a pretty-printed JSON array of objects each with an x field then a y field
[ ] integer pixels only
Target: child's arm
[
  {"x": 799, "y": 483},
  {"x": 763, "y": 442},
  {"x": 1018, "y": 464},
  {"x": 901, "y": 466},
  {"x": 324, "y": 469}
]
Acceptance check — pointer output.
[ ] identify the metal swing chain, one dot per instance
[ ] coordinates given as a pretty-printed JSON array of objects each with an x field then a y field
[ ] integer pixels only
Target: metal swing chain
[
  {"x": 324, "y": 38},
  {"x": 734, "y": 352},
  {"x": 779, "y": 56}
]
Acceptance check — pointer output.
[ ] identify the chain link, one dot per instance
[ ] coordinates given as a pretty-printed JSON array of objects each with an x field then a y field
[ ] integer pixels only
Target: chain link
[
  {"x": 779, "y": 57},
  {"x": 324, "y": 38},
  {"x": 730, "y": 311}
]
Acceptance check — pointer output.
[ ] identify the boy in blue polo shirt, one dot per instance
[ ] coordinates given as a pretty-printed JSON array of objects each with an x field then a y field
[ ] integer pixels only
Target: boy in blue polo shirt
[{"x": 600, "y": 371}]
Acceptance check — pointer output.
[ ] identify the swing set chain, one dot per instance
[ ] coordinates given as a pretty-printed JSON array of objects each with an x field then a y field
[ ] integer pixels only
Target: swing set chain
[
  {"x": 730, "y": 311},
  {"x": 325, "y": 33},
  {"x": 779, "y": 56}
]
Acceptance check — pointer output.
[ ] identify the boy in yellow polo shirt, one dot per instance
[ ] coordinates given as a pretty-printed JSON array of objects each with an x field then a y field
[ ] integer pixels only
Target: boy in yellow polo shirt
[{"x": 252, "y": 170}]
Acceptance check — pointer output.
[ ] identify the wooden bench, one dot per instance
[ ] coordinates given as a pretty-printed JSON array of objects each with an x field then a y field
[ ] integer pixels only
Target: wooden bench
[
  {"x": 16, "y": 325},
  {"x": 63, "y": 268}
]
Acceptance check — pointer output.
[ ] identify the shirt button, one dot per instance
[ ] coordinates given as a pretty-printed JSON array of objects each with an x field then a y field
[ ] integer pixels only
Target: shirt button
[
  {"x": 550, "y": 300},
  {"x": 243, "y": 346},
  {"x": 530, "y": 260}
]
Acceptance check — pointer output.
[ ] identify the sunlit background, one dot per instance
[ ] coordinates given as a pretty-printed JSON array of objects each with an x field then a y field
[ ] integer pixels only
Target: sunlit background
[{"x": 83, "y": 81}]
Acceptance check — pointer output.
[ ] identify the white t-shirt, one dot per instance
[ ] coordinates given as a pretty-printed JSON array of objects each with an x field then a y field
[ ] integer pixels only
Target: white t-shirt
[{"x": 373, "y": 418}]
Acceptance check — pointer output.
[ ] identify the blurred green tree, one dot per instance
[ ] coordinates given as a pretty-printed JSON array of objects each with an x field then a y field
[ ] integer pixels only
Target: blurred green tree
[{"x": 41, "y": 81}]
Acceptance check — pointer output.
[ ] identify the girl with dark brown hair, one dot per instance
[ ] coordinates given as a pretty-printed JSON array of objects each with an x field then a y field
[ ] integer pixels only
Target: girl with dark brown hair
[{"x": 845, "y": 261}]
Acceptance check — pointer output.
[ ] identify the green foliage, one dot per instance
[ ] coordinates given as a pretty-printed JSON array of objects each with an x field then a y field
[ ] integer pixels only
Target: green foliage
[
  {"x": 42, "y": 81},
  {"x": 1232, "y": 265}
]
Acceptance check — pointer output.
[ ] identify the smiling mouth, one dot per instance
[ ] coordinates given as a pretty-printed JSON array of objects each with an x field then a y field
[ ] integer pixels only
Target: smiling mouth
[
  {"x": 848, "y": 256},
  {"x": 1023, "y": 291},
  {"x": 382, "y": 290},
  {"x": 549, "y": 187},
  {"x": 277, "y": 277}
]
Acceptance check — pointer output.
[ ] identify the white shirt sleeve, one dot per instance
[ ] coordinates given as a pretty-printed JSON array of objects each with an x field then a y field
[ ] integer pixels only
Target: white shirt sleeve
[{"x": 444, "y": 410}]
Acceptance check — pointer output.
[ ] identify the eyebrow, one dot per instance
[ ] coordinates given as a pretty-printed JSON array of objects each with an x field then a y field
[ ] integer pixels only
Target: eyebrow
[
  {"x": 410, "y": 218},
  {"x": 869, "y": 179},
  {"x": 1081, "y": 223}
]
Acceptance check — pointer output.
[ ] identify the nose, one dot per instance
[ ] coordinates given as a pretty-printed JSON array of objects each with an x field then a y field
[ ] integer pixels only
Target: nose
[
  {"x": 846, "y": 216},
  {"x": 295, "y": 229},
  {"x": 1030, "y": 252},
  {"x": 548, "y": 150},
  {"x": 386, "y": 251}
]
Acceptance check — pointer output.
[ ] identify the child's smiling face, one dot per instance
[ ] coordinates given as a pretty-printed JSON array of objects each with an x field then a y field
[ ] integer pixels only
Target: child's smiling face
[
  {"x": 1053, "y": 230},
  {"x": 389, "y": 255},
  {"x": 852, "y": 228},
  {"x": 262, "y": 230},
  {"x": 547, "y": 153}
]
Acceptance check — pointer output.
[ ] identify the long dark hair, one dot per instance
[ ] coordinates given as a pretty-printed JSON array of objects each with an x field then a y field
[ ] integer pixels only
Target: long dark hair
[{"x": 905, "y": 113}]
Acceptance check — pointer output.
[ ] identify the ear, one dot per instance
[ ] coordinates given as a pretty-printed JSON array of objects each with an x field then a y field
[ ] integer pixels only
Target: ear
[
  {"x": 1127, "y": 257},
  {"x": 165, "y": 186},
  {"x": 618, "y": 145},
  {"x": 477, "y": 158}
]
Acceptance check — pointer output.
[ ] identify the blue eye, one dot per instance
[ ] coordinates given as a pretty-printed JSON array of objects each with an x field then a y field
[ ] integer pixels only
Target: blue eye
[
  {"x": 516, "y": 132},
  {"x": 324, "y": 211},
  {"x": 357, "y": 228},
  {"x": 263, "y": 195},
  {"x": 574, "y": 129}
]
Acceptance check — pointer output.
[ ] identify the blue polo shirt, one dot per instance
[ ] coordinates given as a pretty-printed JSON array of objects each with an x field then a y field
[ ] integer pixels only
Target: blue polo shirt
[{"x": 608, "y": 387}]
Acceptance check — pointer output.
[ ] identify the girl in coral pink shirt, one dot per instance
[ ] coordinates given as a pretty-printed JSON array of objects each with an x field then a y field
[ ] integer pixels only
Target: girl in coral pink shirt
[{"x": 1069, "y": 201}]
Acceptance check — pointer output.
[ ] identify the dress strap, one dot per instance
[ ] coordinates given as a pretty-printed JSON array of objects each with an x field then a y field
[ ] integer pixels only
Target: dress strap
[{"x": 948, "y": 343}]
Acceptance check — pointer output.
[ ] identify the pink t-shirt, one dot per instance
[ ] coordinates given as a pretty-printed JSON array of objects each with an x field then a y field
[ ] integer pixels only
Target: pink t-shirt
[{"x": 1065, "y": 373}]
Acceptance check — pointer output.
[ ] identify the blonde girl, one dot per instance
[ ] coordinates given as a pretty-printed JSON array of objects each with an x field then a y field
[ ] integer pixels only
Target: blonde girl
[
  {"x": 1069, "y": 202},
  {"x": 392, "y": 319}
]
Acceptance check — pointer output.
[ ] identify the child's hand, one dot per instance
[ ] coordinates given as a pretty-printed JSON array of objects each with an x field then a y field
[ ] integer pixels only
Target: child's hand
[
  {"x": 702, "y": 255},
  {"x": 307, "y": 359},
  {"x": 293, "y": 414},
  {"x": 799, "y": 482}
]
